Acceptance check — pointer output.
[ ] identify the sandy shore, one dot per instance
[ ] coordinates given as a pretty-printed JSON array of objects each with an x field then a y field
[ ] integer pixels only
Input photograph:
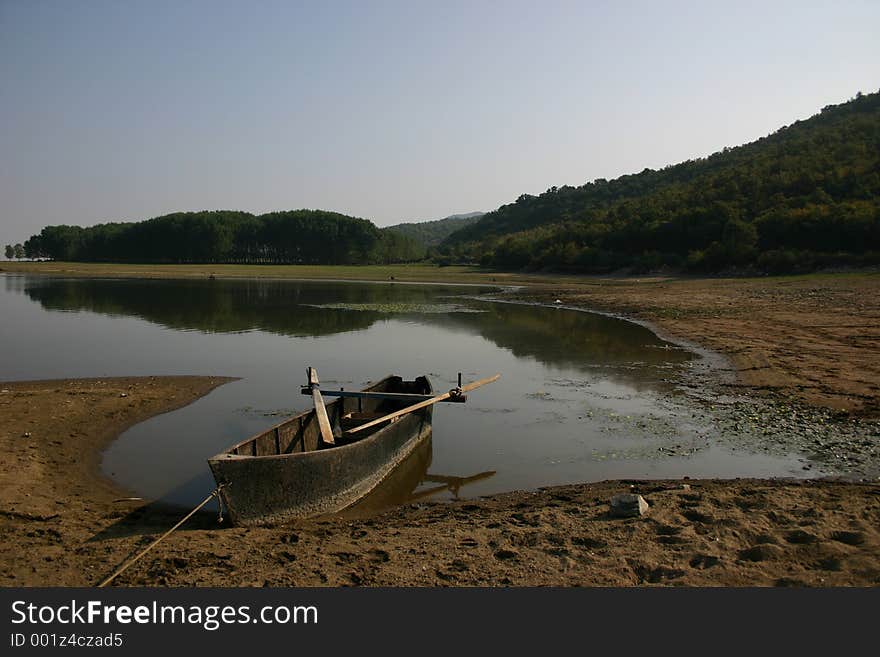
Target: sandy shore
[
  {"x": 53, "y": 498},
  {"x": 811, "y": 339}
]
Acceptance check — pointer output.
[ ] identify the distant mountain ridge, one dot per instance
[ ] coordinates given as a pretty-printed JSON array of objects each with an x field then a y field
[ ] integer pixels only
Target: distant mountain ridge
[
  {"x": 806, "y": 196},
  {"x": 432, "y": 233}
]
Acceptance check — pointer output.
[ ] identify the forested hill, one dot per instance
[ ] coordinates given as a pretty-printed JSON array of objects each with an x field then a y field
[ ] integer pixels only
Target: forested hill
[
  {"x": 808, "y": 195},
  {"x": 295, "y": 237},
  {"x": 432, "y": 233}
]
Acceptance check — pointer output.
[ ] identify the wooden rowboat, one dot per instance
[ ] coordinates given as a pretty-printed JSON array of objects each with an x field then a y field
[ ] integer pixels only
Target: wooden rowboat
[
  {"x": 326, "y": 459},
  {"x": 291, "y": 471}
]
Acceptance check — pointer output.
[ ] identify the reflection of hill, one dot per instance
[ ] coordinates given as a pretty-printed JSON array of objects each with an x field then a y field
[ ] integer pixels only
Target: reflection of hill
[{"x": 565, "y": 338}]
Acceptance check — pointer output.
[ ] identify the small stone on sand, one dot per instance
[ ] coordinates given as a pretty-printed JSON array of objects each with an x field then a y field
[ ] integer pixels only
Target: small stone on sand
[{"x": 628, "y": 505}]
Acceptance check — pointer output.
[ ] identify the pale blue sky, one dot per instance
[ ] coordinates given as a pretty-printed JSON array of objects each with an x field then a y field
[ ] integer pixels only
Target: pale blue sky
[{"x": 392, "y": 111}]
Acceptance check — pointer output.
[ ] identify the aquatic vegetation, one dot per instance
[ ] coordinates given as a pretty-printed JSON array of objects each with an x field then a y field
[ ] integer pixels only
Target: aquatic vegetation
[
  {"x": 261, "y": 412},
  {"x": 400, "y": 308}
]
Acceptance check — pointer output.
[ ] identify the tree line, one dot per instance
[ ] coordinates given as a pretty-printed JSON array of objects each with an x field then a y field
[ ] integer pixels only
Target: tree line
[
  {"x": 802, "y": 198},
  {"x": 289, "y": 237}
]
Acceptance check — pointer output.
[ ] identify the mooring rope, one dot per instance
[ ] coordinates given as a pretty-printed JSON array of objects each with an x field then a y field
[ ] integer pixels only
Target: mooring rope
[{"x": 130, "y": 562}]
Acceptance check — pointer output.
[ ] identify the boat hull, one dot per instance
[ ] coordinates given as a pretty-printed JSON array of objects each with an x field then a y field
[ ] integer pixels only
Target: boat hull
[{"x": 260, "y": 488}]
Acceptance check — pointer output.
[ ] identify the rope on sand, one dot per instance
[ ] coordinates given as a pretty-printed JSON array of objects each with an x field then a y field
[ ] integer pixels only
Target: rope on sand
[{"x": 132, "y": 561}]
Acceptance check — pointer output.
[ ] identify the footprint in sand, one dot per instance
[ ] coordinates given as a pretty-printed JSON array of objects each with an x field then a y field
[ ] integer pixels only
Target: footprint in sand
[
  {"x": 762, "y": 552},
  {"x": 848, "y": 538},
  {"x": 378, "y": 556},
  {"x": 704, "y": 561},
  {"x": 588, "y": 542},
  {"x": 800, "y": 537},
  {"x": 655, "y": 575}
]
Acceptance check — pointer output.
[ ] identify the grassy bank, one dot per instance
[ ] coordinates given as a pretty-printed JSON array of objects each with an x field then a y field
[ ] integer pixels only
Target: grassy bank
[{"x": 417, "y": 272}]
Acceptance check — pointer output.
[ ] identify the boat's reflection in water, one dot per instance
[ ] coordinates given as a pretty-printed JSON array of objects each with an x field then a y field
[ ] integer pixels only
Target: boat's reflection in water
[{"x": 410, "y": 482}]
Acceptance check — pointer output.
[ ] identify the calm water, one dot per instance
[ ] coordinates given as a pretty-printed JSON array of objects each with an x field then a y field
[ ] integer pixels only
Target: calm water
[{"x": 582, "y": 397}]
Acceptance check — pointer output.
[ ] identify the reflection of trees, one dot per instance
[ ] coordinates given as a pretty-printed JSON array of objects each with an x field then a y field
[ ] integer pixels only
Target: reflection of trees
[
  {"x": 14, "y": 283},
  {"x": 554, "y": 337},
  {"x": 208, "y": 306},
  {"x": 213, "y": 306},
  {"x": 560, "y": 337}
]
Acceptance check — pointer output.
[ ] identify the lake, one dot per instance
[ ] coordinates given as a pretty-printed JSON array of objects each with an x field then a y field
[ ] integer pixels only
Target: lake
[{"x": 582, "y": 397}]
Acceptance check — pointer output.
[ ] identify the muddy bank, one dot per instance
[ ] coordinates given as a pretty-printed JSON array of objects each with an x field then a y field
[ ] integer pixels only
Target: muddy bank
[
  {"x": 62, "y": 524},
  {"x": 813, "y": 339},
  {"x": 778, "y": 420},
  {"x": 803, "y": 353}
]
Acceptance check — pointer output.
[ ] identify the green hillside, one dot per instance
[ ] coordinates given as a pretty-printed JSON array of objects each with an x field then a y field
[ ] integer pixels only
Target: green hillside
[
  {"x": 806, "y": 196},
  {"x": 432, "y": 233}
]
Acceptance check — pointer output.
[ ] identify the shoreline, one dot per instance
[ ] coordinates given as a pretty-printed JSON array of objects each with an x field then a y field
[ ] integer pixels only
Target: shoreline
[
  {"x": 65, "y": 526},
  {"x": 718, "y": 363},
  {"x": 52, "y": 491},
  {"x": 770, "y": 421}
]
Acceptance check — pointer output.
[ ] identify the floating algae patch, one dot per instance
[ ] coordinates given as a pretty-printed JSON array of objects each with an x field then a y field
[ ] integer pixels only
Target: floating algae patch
[
  {"x": 648, "y": 452},
  {"x": 249, "y": 411},
  {"x": 401, "y": 308},
  {"x": 642, "y": 425}
]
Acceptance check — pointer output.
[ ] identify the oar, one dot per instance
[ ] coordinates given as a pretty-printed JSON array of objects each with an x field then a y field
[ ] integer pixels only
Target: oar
[
  {"x": 427, "y": 402},
  {"x": 320, "y": 409}
]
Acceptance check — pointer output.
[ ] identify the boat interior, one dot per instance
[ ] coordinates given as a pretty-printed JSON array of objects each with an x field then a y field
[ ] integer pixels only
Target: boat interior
[{"x": 302, "y": 433}]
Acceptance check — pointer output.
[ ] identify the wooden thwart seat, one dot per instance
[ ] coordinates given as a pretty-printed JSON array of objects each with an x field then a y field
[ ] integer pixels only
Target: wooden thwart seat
[{"x": 357, "y": 418}]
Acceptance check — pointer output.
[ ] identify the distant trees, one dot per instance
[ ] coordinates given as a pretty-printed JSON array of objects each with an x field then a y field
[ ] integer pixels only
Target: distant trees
[
  {"x": 18, "y": 251},
  {"x": 290, "y": 237},
  {"x": 10, "y": 252},
  {"x": 399, "y": 247}
]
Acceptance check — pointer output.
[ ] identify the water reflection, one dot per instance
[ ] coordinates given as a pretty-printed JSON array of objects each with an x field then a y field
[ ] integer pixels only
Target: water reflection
[
  {"x": 582, "y": 397},
  {"x": 564, "y": 338},
  {"x": 446, "y": 483},
  {"x": 212, "y": 306},
  {"x": 411, "y": 482},
  {"x": 295, "y": 308}
]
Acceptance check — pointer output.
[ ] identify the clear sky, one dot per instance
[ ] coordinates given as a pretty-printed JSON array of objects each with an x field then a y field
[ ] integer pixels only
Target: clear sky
[{"x": 391, "y": 111}]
